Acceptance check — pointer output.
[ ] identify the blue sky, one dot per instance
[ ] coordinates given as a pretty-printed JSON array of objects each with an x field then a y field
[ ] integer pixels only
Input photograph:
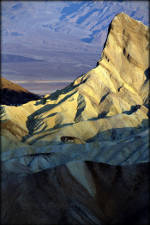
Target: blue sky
[{"x": 58, "y": 40}]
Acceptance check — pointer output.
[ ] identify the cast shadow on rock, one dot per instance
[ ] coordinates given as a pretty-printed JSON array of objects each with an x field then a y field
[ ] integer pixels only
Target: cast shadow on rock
[
  {"x": 114, "y": 134},
  {"x": 55, "y": 95},
  {"x": 119, "y": 133}
]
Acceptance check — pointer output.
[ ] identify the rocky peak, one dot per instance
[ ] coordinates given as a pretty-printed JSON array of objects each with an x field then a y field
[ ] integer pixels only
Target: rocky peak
[{"x": 126, "y": 50}]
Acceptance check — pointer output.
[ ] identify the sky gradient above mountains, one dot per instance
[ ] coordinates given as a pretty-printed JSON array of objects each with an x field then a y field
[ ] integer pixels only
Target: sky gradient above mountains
[{"x": 61, "y": 40}]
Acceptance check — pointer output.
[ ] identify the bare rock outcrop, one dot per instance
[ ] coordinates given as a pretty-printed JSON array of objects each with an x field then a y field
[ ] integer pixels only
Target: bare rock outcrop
[
  {"x": 113, "y": 95},
  {"x": 70, "y": 139}
]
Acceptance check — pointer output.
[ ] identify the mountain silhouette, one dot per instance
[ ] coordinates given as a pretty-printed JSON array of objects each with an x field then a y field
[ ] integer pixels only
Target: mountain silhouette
[{"x": 13, "y": 94}]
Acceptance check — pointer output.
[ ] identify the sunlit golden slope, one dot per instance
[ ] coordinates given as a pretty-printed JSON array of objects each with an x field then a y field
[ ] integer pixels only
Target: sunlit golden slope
[{"x": 114, "y": 95}]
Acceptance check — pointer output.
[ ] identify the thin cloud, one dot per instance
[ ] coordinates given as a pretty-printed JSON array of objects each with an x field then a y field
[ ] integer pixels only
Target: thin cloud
[{"x": 40, "y": 81}]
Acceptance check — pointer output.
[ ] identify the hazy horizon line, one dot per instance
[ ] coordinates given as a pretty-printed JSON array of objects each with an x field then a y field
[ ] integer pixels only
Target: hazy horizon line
[{"x": 40, "y": 81}]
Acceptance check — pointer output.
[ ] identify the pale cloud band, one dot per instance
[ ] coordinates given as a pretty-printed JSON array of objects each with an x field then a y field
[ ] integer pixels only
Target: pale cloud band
[{"x": 40, "y": 81}]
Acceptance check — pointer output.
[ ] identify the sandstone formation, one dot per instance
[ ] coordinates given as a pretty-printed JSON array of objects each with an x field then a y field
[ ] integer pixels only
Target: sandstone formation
[
  {"x": 13, "y": 94},
  {"x": 81, "y": 155}
]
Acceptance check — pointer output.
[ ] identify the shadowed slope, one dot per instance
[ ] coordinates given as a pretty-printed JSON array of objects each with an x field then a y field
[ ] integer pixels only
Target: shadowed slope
[
  {"x": 13, "y": 94},
  {"x": 76, "y": 193}
]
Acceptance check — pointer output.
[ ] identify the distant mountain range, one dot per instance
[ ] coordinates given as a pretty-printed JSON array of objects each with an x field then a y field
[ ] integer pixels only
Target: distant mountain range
[
  {"x": 9, "y": 58},
  {"x": 85, "y": 20},
  {"x": 70, "y": 34}
]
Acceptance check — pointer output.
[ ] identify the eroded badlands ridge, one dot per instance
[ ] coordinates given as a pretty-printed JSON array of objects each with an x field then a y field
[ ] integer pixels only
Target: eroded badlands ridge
[
  {"x": 109, "y": 103},
  {"x": 113, "y": 95},
  {"x": 101, "y": 117}
]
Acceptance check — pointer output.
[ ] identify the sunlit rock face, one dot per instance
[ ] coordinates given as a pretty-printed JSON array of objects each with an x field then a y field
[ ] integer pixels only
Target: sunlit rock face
[
  {"x": 126, "y": 52},
  {"x": 113, "y": 95},
  {"x": 101, "y": 117}
]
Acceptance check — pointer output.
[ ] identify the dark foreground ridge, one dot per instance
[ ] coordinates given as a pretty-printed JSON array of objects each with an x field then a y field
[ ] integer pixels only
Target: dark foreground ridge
[{"x": 76, "y": 193}]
